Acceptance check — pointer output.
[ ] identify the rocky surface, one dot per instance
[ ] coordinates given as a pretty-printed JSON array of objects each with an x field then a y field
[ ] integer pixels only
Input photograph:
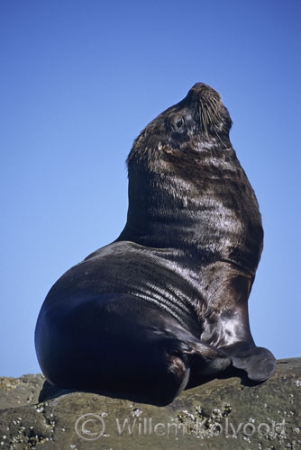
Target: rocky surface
[{"x": 223, "y": 413}]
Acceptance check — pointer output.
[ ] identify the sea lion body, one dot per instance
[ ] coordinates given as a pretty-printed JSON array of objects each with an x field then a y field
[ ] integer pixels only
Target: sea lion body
[{"x": 167, "y": 302}]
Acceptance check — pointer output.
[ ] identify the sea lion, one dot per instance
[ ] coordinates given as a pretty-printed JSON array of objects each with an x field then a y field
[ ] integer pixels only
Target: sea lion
[{"x": 166, "y": 303}]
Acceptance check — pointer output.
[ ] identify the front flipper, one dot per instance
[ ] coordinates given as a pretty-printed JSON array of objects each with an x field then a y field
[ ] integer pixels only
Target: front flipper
[
  {"x": 226, "y": 326},
  {"x": 258, "y": 362}
]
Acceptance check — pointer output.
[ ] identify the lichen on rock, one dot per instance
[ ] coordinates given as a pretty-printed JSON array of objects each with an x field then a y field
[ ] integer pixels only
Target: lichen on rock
[{"x": 223, "y": 413}]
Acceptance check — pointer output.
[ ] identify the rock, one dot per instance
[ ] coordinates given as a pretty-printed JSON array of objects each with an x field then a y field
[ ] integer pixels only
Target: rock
[
  {"x": 223, "y": 413},
  {"x": 21, "y": 391}
]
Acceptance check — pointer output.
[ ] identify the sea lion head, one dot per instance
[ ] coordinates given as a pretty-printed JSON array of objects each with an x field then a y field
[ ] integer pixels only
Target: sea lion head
[
  {"x": 198, "y": 122},
  {"x": 173, "y": 167}
]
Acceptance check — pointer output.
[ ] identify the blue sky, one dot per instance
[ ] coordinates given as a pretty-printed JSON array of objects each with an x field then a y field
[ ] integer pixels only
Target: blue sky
[{"x": 80, "y": 80}]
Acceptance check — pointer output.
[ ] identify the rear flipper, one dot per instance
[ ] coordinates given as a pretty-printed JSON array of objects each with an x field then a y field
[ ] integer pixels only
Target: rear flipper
[
  {"x": 205, "y": 361},
  {"x": 258, "y": 362}
]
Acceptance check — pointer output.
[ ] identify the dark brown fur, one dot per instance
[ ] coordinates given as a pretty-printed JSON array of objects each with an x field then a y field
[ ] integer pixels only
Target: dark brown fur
[{"x": 166, "y": 303}]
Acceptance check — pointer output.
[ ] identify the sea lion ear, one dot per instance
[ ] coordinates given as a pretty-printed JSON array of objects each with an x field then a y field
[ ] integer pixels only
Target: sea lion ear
[{"x": 258, "y": 362}]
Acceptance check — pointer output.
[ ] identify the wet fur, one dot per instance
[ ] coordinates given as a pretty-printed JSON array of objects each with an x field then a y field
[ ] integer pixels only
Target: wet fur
[{"x": 166, "y": 304}]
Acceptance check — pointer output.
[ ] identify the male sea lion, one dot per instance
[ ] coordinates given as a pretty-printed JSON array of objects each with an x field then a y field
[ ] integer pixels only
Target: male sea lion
[{"x": 167, "y": 302}]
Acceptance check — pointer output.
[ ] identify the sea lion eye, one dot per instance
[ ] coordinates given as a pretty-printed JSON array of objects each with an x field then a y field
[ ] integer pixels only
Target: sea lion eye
[
  {"x": 178, "y": 125},
  {"x": 180, "y": 122}
]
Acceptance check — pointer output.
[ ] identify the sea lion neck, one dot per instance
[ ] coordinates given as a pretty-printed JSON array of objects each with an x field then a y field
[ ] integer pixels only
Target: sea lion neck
[
  {"x": 199, "y": 203},
  {"x": 163, "y": 208}
]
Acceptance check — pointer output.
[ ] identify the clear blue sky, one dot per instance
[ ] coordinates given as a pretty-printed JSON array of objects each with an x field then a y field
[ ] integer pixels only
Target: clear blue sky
[{"x": 80, "y": 79}]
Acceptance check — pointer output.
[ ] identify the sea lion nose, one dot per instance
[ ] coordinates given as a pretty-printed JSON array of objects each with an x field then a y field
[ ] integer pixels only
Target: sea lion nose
[
  {"x": 201, "y": 92},
  {"x": 200, "y": 87}
]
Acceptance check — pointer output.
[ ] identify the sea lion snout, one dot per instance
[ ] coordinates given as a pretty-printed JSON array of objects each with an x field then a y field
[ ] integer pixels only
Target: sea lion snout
[{"x": 202, "y": 89}]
